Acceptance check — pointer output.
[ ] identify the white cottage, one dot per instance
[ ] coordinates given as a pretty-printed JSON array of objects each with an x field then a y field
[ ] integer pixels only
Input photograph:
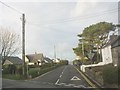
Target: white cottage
[{"x": 107, "y": 56}]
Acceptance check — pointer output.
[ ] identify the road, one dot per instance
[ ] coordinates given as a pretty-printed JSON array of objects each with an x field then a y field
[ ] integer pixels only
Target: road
[{"x": 63, "y": 77}]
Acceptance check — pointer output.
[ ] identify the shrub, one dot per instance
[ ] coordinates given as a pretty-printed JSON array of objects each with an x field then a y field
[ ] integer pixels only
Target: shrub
[
  {"x": 34, "y": 72},
  {"x": 12, "y": 69},
  {"x": 110, "y": 75},
  {"x": 9, "y": 69}
]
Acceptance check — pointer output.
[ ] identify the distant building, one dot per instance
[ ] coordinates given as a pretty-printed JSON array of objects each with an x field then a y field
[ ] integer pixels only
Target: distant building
[
  {"x": 56, "y": 60},
  {"x": 13, "y": 60},
  {"x": 47, "y": 60}
]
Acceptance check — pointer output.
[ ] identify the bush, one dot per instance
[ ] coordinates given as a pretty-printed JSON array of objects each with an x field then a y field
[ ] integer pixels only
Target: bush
[
  {"x": 34, "y": 72},
  {"x": 9, "y": 69},
  {"x": 110, "y": 75},
  {"x": 12, "y": 69}
]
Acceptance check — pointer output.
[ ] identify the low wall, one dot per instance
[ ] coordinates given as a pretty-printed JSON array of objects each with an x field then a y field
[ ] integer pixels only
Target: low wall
[{"x": 95, "y": 74}]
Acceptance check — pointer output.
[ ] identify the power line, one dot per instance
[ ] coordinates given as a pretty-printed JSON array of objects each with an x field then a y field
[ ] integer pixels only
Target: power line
[{"x": 11, "y": 7}]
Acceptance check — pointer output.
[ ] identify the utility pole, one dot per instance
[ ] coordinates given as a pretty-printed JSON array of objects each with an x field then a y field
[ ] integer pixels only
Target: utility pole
[
  {"x": 83, "y": 48},
  {"x": 23, "y": 44},
  {"x": 54, "y": 52}
]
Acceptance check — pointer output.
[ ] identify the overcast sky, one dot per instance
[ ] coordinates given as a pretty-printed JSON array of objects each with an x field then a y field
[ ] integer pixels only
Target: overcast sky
[{"x": 56, "y": 23}]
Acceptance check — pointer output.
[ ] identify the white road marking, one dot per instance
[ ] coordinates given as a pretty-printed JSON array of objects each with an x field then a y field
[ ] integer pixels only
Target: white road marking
[
  {"x": 81, "y": 86},
  {"x": 62, "y": 83},
  {"x": 71, "y": 84},
  {"x": 75, "y": 78},
  {"x": 60, "y": 76},
  {"x": 67, "y": 85},
  {"x": 57, "y": 81}
]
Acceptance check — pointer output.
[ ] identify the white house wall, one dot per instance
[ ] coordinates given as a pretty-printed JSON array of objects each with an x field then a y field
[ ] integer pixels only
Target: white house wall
[
  {"x": 7, "y": 62},
  {"x": 107, "y": 55},
  {"x": 26, "y": 59},
  {"x": 106, "y": 59}
]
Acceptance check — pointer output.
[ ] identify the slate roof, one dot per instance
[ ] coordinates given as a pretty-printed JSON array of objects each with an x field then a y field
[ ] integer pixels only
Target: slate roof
[
  {"x": 35, "y": 57},
  {"x": 48, "y": 59},
  {"x": 113, "y": 41},
  {"x": 116, "y": 42},
  {"x": 15, "y": 60}
]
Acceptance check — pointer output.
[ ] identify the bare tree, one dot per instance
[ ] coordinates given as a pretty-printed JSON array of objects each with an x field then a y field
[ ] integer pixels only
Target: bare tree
[{"x": 9, "y": 43}]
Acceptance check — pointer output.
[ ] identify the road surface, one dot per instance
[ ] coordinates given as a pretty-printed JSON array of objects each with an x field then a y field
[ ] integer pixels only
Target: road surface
[{"x": 63, "y": 77}]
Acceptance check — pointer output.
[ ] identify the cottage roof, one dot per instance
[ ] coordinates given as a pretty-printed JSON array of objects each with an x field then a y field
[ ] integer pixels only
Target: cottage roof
[
  {"x": 14, "y": 60},
  {"x": 48, "y": 59},
  {"x": 116, "y": 42},
  {"x": 35, "y": 57},
  {"x": 113, "y": 41}
]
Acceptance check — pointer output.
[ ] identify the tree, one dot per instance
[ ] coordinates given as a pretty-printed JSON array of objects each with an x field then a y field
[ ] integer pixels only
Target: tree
[
  {"x": 9, "y": 42},
  {"x": 98, "y": 33},
  {"x": 94, "y": 36}
]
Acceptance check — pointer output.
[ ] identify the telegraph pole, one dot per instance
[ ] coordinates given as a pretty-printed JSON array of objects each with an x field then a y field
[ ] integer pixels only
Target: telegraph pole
[
  {"x": 54, "y": 52},
  {"x": 23, "y": 44},
  {"x": 83, "y": 48}
]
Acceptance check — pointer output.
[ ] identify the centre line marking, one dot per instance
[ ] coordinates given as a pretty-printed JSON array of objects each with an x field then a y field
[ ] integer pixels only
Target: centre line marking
[
  {"x": 60, "y": 76},
  {"x": 57, "y": 81}
]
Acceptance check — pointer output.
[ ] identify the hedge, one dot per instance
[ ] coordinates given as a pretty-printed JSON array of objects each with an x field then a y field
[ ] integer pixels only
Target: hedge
[{"x": 12, "y": 69}]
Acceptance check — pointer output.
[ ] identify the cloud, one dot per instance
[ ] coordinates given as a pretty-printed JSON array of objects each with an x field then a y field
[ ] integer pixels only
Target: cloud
[
  {"x": 63, "y": 47},
  {"x": 82, "y": 8}
]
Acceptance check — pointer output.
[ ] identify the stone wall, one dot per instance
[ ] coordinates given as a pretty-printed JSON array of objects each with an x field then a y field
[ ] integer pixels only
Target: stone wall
[
  {"x": 95, "y": 74},
  {"x": 116, "y": 55}
]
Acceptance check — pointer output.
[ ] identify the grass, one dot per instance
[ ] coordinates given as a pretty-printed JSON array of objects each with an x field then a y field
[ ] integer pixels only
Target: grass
[{"x": 12, "y": 76}]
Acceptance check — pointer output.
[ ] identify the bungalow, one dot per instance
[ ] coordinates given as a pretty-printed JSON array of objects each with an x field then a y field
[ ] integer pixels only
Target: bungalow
[
  {"x": 47, "y": 60},
  {"x": 13, "y": 60},
  {"x": 34, "y": 59}
]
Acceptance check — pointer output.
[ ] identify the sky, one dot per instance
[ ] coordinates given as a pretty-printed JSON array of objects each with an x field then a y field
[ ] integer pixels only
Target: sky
[{"x": 55, "y": 23}]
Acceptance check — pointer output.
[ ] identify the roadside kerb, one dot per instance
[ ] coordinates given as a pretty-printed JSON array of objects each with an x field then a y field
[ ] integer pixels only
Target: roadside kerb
[{"x": 87, "y": 79}]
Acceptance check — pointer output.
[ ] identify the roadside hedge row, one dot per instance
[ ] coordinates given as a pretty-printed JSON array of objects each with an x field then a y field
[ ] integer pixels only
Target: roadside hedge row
[
  {"x": 12, "y": 69},
  {"x": 34, "y": 72},
  {"x": 15, "y": 71}
]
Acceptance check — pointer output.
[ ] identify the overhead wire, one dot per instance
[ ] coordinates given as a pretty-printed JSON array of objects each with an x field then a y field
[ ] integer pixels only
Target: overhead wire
[{"x": 11, "y": 7}]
